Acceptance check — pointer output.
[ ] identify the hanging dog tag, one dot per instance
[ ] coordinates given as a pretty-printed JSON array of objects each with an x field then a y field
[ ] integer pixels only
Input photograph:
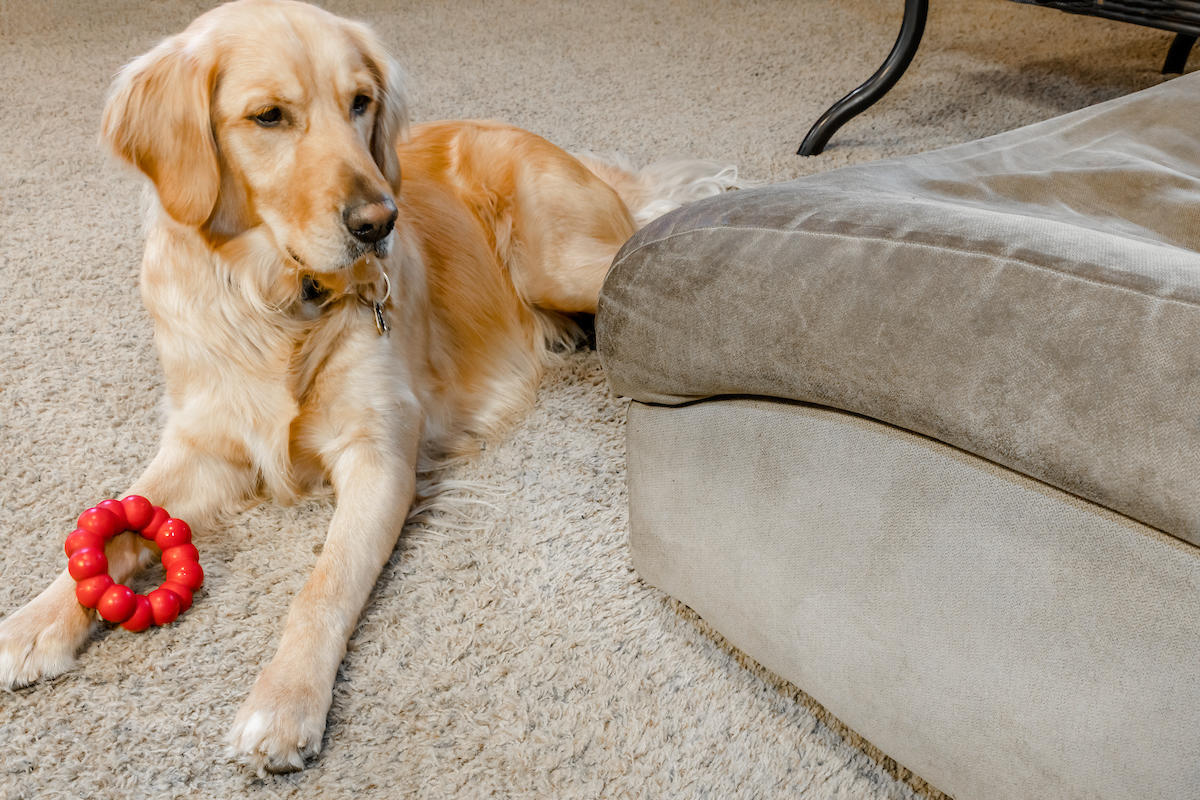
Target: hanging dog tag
[{"x": 380, "y": 321}]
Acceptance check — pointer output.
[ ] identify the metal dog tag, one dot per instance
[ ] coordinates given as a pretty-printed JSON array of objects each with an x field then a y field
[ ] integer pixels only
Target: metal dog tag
[{"x": 380, "y": 321}]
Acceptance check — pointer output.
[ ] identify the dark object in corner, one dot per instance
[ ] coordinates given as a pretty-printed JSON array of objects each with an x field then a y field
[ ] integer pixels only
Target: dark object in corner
[
  {"x": 1180, "y": 16},
  {"x": 876, "y": 86}
]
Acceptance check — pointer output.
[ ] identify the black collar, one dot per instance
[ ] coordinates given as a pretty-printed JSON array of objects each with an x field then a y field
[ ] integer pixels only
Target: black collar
[
  {"x": 313, "y": 292},
  {"x": 316, "y": 295}
]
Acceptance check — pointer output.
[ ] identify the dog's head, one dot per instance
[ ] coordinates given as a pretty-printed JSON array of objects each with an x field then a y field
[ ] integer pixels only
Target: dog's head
[{"x": 268, "y": 112}]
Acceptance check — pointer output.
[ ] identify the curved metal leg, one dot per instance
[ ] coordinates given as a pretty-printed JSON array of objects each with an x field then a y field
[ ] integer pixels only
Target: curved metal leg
[
  {"x": 1177, "y": 54},
  {"x": 877, "y": 85}
]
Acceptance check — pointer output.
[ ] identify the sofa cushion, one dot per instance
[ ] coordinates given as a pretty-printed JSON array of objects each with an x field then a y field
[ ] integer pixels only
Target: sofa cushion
[
  {"x": 999, "y": 637},
  {"x": 1032, "y": 298}
]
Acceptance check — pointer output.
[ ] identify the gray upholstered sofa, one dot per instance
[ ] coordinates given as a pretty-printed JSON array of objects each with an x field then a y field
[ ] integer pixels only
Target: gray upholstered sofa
[{"x": 923, "y": 437}]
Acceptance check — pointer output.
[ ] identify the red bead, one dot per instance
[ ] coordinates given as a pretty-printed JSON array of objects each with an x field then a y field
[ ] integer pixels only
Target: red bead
[
  {"x": 80, "y": 539},
  {"x": 174, "y": 555},
  {"x": 87, "y": 563},
  {"x": 189, "y": 573},
  {"x": 164, "y": 606},
  {"x": 138, "y": 511},
  {"x": 173, "y": 533},
  {"x": 117, "y": 603},
  {"x": 157, "y": 518},
  {"x": 184, "y": 593},
  {"x": 88, "y": 592},
  {"x": 115, "y": 508},
  {"x": 101, "y": 522},
  {"x": 142, "y": 617}
]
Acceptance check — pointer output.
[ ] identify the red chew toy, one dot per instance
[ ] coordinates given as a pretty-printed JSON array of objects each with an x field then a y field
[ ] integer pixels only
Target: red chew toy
[{"x": 95, "y": 588}]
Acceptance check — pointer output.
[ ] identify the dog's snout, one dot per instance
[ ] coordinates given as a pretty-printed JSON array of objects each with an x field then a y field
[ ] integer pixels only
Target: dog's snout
[{"x": 370, "y": 221}]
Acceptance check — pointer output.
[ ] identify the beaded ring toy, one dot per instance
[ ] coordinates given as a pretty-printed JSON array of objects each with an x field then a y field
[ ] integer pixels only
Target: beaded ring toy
[{"x": 117, "y": 603}]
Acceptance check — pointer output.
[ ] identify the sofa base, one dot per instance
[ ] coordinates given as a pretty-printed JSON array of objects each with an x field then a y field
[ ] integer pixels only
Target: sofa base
[{"x": 999, "y": 637}]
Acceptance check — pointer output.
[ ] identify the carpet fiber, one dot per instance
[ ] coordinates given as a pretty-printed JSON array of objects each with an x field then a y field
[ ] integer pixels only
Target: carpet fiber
[{"x": 509, "y": 648}]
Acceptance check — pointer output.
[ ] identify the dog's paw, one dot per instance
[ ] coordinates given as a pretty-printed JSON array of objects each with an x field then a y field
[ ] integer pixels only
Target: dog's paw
[
  {"x": 35, "y": 645},
  {"x": 280, "y": 724}
]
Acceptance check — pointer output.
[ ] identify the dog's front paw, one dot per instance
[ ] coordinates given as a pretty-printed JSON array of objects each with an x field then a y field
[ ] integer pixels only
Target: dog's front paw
[
  {"x": 41, "y": 639},
  {"x": 280, "y": 724}
]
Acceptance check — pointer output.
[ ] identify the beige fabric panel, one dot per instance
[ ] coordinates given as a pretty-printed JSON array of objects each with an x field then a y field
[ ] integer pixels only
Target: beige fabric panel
[
  {"x": 999, "y": 637},
  {"x": 1032, "y": 298}
]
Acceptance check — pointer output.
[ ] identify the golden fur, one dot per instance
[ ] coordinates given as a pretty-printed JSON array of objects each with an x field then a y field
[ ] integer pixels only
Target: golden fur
[{"x": 258, "y": 126}]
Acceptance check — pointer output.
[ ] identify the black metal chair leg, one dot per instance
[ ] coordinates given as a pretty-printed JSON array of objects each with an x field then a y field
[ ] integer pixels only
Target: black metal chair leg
[
  {"x": 876, "y": 86},
  {"x": 1177, "y": 54}
]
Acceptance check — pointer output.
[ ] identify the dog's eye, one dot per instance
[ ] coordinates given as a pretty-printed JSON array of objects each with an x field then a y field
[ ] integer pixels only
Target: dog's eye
[
  {"x": 269, "y": 117},
  {"x": 360, "y": 105}
]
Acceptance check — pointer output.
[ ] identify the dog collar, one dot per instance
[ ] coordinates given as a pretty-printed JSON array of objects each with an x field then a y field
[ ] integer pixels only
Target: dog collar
[{"x": 314, "y": 292}]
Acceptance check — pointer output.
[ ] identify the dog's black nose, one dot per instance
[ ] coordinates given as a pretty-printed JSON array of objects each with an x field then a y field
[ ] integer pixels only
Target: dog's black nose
[{"x": 370, "y": 222}]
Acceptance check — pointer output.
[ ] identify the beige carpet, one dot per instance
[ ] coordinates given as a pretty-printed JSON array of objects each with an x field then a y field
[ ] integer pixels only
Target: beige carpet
[{"x": 517, "y": 656}]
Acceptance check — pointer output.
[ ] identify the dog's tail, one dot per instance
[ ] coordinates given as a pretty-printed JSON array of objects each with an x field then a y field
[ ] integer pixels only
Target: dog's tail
[{"x": 663, "y": 186}]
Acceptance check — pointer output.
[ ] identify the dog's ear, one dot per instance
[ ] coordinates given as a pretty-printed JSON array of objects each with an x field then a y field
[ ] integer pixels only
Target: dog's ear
[
  {"x": 158, "y": 119},
  {"x": 391, "y": 118}
]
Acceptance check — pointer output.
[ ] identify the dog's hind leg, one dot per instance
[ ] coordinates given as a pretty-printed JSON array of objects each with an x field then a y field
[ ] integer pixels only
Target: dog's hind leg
[
  {"x": 572, "y": 214},
  {"x": 567, "y": 225}
]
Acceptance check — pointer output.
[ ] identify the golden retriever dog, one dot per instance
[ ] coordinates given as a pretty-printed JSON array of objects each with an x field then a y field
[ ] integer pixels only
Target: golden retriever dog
[{"x": 334, "y": 297}]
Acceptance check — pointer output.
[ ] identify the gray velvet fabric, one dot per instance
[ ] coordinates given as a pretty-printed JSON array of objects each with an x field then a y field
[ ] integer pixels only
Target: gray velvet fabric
[
  {"x": 1032, "y": 298},
  {"x": 1001, "y": 638}
]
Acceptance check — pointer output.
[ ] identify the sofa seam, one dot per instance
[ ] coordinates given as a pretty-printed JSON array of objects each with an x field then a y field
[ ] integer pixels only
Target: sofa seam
[{"x": 875, "y": 238}]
